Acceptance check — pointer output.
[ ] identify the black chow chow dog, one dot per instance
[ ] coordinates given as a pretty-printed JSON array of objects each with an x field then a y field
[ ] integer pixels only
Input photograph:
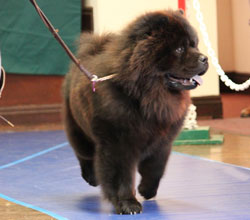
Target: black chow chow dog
[{"x": 132, "y": 119}]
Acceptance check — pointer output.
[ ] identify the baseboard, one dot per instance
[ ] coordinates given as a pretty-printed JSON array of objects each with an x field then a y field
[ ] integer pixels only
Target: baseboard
[
  {"x": 32, "y": 114},
  {"x": 237, "y": 78},
  {"x": 208, "y": 107}
]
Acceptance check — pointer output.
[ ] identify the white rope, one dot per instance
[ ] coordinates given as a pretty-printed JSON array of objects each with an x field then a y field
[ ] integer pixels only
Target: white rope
[
  {"x": 190, "y": 121},
  {"x": 224, "y": 78},
  {"x": 2, "y": 79}
]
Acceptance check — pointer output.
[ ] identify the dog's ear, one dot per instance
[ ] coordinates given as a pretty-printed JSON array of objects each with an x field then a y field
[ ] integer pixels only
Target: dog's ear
[{"x": 181, "y": 11}]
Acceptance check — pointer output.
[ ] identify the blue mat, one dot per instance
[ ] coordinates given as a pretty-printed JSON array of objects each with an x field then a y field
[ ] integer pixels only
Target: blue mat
[{"x": 39, "y": 170}]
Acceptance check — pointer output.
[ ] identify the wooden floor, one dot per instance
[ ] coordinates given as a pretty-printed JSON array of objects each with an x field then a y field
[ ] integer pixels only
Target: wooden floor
[
  {"x": 234, "y": 150},
  {"x": 12, "y": 211}
]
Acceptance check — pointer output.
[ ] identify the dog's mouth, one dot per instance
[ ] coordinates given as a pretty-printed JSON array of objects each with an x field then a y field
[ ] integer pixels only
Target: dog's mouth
[{"x": 184, "y": 83}]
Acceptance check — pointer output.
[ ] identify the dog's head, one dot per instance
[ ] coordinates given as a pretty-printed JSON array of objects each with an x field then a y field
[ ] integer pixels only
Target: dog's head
[{"x": 165, "y": 43}]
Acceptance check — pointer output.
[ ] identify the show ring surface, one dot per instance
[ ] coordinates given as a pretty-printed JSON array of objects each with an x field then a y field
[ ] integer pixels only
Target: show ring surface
[{"x": 39, "y": 170}]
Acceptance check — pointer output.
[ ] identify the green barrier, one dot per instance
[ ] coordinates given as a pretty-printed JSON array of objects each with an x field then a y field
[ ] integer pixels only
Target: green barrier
[
  {"x": 26, "y": 44},
  {"x": 198, "y": 136}
]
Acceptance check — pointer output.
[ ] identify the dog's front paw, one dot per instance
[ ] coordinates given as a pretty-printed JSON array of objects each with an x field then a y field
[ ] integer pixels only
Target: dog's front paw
[
  {"x": 147, "y": 192},
  {"x": 128, "y": 207}
]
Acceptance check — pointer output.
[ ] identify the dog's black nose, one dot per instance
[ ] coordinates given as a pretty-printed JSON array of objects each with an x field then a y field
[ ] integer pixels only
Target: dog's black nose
[{"x": 203, "y": 59}]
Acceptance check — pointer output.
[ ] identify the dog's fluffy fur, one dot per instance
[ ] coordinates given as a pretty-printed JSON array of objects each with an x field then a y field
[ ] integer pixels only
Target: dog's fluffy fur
[{"x": 130, "y": 122}]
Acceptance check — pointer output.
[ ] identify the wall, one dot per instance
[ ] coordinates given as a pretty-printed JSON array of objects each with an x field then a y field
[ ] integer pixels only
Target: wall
[
  {"x": 225, "y": 35},
  {"x": 234, "y": 35},
  {"x": 112, "y": 15}
]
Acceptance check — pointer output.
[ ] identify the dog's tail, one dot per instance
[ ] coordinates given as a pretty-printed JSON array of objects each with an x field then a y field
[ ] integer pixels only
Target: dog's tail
[{"x": 92, "y": 45}]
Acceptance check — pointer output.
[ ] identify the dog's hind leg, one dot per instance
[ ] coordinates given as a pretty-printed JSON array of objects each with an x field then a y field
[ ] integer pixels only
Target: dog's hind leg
[
  {"x": 88, "y": 171},
  {"x": 84, "y": 148},
  {"x": 151, "y": 170}
]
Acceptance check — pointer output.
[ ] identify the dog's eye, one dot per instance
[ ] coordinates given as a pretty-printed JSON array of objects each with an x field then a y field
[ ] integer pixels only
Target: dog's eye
[
  {"x": 180, "y": 50},
  {"x": 193, "y": 44}
]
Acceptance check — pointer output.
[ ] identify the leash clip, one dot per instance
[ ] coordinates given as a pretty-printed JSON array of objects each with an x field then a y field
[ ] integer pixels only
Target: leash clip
[{"x": 94, "y": 80}]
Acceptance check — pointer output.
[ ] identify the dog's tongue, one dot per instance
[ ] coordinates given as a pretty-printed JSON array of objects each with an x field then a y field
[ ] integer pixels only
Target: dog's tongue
[{"x": 197, "y": 79}]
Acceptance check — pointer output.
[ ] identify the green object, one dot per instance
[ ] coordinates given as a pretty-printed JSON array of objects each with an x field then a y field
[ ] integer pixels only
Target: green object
[
  {"x": 26, "y": 44},
  {"x": 198, "y": 136}
]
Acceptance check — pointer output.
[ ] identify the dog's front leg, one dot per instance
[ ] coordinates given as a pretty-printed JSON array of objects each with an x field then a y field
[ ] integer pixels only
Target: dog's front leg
[
  {"x": 115, "y": 169},
  {"x": 152, "y": 169}
]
